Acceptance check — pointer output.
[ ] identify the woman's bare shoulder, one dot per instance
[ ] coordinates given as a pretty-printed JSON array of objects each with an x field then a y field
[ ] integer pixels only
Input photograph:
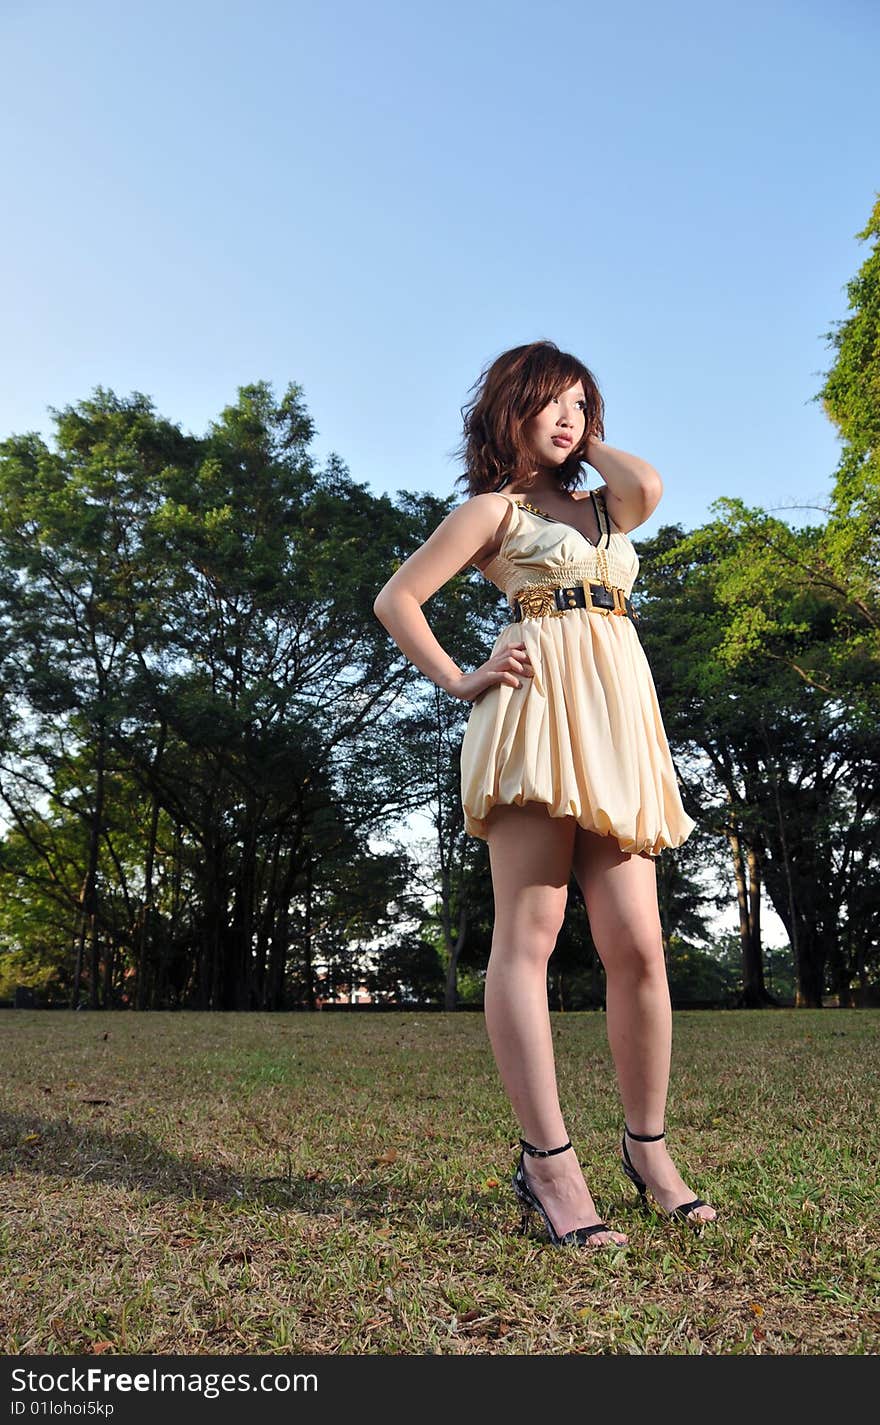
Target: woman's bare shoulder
[
  {"x": 489, "y": 512},
  {"x": 465, "y": 536},
  {"x": 489, "y": 500}
]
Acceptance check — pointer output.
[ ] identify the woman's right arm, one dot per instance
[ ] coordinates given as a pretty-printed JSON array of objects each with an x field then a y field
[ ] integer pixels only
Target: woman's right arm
[{"x": 454, "y": 544}]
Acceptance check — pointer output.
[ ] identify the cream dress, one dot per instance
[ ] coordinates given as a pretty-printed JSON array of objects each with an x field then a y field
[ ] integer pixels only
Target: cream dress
[{"x": 584, "y": 735}]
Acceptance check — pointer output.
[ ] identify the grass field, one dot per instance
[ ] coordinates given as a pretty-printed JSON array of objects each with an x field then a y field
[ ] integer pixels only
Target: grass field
[{"x": 340, "y": 1184}]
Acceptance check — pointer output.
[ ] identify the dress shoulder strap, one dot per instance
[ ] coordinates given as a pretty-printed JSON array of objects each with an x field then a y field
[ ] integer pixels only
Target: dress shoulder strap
[{"x": 602, "y": 519}]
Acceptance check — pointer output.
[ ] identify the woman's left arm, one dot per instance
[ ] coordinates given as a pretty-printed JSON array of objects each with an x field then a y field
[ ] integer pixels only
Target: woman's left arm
[{"x": 632, "y": 488}]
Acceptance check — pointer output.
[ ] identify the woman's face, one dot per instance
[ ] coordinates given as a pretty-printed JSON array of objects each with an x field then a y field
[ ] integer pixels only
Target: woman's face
[{"x": 554, "y": 432}]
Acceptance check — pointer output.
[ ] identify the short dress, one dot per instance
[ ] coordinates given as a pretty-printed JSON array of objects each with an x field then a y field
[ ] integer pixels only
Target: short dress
[{"x": 584, "y": 735}]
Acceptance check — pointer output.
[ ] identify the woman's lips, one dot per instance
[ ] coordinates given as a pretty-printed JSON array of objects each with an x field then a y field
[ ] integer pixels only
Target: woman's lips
[{"x": 562, "y": 440}]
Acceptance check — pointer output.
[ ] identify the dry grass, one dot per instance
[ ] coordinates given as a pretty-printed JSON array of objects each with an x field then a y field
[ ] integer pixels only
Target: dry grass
[{"x": 296, "y": 1184}]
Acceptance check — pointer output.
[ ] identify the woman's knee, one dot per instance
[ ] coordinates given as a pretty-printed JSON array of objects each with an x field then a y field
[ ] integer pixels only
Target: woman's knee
[
  {"x": 635, "y": 955},
  {"x": 529, "y": 932}
]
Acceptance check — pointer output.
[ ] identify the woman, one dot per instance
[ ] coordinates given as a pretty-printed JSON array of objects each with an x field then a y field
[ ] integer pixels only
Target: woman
[{"x": 565, "y": 766}]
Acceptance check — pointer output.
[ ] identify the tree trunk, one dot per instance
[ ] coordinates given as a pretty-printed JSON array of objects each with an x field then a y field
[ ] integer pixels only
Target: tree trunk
[
  {"x": 212, "y": 940},
  {"x": 810, "y": 968},
  {"x": 791, "y": 921},
  {"x": 755, "y": 995},
  {"x": 747, "y": 878},
  {"x": 807, "y": 941},
  {"x": 241, "y": 947},
  {"x": 280, "y": 943},
  {"x": 266, "y": 900},
  {"x": 144, "y": 947},
  {"x": 308, "y": 965},
  {"x": 109, "y": 968},
  {"x": 454, "y": 948},
  {"x": 80, "y": 948},
  {"x": 91, "y": 883}
]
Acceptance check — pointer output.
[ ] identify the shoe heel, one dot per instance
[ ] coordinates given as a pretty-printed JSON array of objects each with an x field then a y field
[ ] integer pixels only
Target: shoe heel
[
  {"x": 685, "y": 1208},
  {"x": 634, "y": 1177},
  {"x": 637, "y": 1181},
  {"x": 529, "y": 1202},
  {"x": 526, "y": 1207}
]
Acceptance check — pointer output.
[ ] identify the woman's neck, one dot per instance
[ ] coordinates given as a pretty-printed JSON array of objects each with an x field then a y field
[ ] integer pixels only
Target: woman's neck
[{"x": 542, "y": 483}]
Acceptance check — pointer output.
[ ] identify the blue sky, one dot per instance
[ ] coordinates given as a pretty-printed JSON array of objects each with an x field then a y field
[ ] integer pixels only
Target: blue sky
[{"x": 375, "y": 200}]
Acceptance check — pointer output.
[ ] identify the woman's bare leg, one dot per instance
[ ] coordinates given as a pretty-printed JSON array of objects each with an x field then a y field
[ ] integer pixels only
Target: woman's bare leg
[
  {"x": 620, "y": 891},
  {"x": 530, "y": 856}
]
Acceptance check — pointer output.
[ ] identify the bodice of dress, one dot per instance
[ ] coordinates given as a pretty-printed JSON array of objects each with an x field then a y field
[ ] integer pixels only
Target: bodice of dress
[{"x": 543, "y": 550}]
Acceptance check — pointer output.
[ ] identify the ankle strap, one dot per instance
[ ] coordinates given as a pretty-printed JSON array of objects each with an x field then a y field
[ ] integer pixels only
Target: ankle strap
[
  {"x": 543, "y": 1152},
  {"x": 644, "y": 1137}
]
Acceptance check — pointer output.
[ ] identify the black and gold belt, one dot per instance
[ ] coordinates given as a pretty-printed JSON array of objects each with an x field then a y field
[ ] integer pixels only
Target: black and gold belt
[{"x": 538, "y": 602}]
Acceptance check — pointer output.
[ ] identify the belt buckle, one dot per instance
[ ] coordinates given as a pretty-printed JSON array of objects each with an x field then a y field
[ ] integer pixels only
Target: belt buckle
[
  {"x": 536, "y": 602},
  {"x": 591, "y": 605}
]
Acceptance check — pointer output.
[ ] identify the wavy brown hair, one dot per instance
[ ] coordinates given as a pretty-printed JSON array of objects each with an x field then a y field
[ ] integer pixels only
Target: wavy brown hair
[{"x": 510, "y": 391}]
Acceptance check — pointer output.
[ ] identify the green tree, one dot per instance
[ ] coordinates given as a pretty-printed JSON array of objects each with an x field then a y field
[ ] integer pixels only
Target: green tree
[{"x": 193, "y": 678}]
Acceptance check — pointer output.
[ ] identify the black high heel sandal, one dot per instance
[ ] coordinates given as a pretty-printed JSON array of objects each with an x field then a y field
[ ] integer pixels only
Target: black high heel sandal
[
  {"x": 685, "y": 1208},
  {"x": 530, "y": 1202}
]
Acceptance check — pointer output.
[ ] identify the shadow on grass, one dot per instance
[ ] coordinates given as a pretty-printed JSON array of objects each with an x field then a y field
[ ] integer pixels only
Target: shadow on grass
[
  {"x": 134, "y": 1161},
  {"x": 30, "y": 1143}
]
